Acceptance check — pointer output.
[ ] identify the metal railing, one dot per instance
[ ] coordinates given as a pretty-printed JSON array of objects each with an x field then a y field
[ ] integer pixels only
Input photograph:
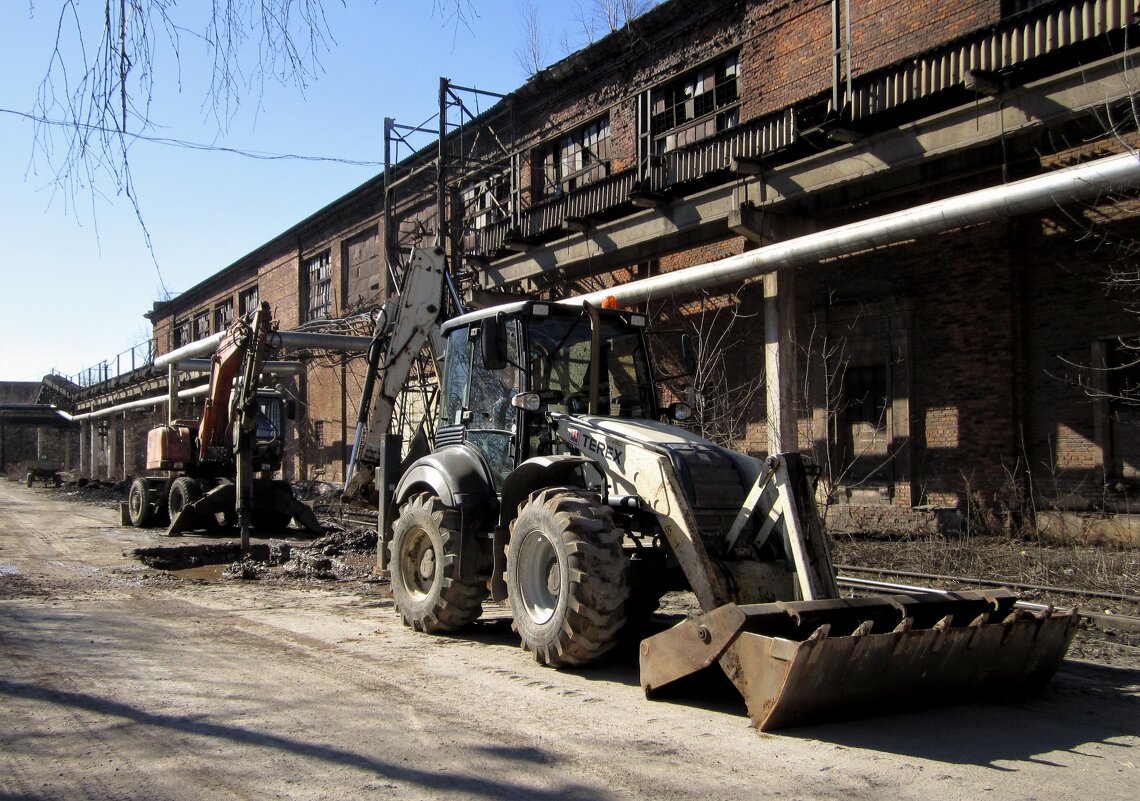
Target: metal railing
[{"x": 124, "y": 363}]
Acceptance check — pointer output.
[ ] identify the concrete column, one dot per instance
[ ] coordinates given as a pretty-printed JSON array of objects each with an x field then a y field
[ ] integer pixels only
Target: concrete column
[
  {"x": 124, "y": 447},
  {"x": 85, "y": 449},
  {"x": 114, "y": 446},
  {"x": 779, "y": 360}
]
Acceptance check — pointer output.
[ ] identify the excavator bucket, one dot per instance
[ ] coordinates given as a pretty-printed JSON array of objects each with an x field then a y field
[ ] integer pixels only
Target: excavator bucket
[
  {"x": 805, "y": 662},
  {"x": 275, "y": 496}
]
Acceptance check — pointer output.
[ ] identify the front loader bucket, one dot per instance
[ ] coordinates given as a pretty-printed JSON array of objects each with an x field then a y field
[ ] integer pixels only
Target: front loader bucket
[{"x": 810, "y": 661}]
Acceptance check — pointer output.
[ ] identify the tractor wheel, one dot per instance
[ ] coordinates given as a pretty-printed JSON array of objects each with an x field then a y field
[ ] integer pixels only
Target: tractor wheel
[
  {"x": 566, "y": 577},
  {"x": 429, "y": 593},
  {"x": 183, "y": 492},
  {"x": 29, "y": 478},
  {"x": 139, "y": 507}
]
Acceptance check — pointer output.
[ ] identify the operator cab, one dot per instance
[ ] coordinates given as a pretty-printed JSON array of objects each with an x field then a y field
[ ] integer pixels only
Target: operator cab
[{"x": 508, "y": 367}]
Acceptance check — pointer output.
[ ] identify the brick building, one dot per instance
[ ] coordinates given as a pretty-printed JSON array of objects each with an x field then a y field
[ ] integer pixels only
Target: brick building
[{"x": 939, "y": 372}]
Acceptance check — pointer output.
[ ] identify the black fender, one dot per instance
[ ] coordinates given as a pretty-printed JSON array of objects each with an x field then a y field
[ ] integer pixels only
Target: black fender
[
  {"x": 459, "y": 477},
  {"x": 560, "y": 470},
  {"x": 456, "y": 474},
  {"x": 542, "y": 471}
]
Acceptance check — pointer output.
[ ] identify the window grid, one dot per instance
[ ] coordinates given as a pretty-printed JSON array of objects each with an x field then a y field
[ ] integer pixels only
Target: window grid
[
  {"x": 248, "y": 300},
  {"x": 696, "y": 106},
  {"x": 487, "y": 201},
  {"x": 319, "y": 274},
  {"x": 201, "y": 325},
  {"x": 578, "y": 159},
  {"x": 223, "y": 315}
]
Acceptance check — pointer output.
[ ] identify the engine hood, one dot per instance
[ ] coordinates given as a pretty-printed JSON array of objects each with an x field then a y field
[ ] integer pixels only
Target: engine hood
[{"x": 646, "y": 432}]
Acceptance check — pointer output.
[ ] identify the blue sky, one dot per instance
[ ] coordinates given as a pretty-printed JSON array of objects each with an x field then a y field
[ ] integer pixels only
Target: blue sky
[{"x": 77, "y": 278}]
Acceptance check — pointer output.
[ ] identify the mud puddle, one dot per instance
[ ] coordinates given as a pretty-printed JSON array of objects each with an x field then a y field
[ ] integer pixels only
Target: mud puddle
[
  {"x": 337, "y": 556},
  {"x": 214, "y": 561}
]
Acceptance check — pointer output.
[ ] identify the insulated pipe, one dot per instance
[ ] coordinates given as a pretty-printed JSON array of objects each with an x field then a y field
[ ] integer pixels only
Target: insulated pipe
[
  {"x": 294, "y": 340},
  {"x": 202, "y": 347},
  {"x": 267, "y": 368},
  {"x": 299, "y": 340},
  {"x": 141, "y": 403},
  {"x": 1073, "y": 184}
]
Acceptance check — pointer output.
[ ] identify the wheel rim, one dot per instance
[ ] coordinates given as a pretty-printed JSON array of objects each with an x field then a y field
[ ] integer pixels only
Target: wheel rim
[
  {"x": 136, "y": 502},
  {"x": 417, "y": 564},
  {"x": 539, "y": 581}
]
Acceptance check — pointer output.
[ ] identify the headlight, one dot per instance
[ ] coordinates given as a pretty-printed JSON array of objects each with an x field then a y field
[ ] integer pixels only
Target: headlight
[{"x": 681, "y": 411}]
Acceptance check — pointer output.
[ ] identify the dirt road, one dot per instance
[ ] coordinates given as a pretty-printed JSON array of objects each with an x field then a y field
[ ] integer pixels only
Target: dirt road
[{"x": 119, "y": 681}]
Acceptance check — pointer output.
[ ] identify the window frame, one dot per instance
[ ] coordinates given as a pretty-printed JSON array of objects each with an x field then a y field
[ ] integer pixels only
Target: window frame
[
  {"x": 574, "y": 159},
  {"x": 223, "y": 314},
  {"x": 248, "y": 300},
  {"x": 710, "y": 111},
  {"x": 318, "y": 294}
]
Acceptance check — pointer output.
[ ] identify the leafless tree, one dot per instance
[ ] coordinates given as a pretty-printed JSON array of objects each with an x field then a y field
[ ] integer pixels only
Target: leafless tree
[
  {"x": 532, "y": 51},
  {"x": 105, "y": 70},
  {"x": 721, "y": 399}
]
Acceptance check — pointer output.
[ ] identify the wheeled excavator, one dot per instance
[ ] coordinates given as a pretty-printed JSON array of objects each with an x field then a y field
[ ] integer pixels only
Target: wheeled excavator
[
  {"x": 557, "y": 483},
  {"x": 218, "y": 469}
]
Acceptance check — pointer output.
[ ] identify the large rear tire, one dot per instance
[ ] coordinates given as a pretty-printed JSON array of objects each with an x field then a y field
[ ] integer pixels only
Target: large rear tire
[
  {"x": 139, "y": 506},
  {"x": 426, "y": 586},
  {"x": 566, "y": 577}
]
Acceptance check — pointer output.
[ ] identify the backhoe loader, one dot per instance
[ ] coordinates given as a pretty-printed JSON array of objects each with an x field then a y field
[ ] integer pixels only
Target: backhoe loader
[{"x": 558, "y": 484}]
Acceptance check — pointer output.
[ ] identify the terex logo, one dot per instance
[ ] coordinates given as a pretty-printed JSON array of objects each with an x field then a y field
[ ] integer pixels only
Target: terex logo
[{"x": 605, "y": 450}]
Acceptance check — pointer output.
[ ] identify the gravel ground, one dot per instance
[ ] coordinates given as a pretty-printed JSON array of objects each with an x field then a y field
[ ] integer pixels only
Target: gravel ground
[{"x": 346, "y": 554}]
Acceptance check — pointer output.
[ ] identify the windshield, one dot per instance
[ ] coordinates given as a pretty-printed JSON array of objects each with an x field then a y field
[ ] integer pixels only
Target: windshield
[
  {"x": 268, "y": 425},
  {"x": 558, "y": 353}
]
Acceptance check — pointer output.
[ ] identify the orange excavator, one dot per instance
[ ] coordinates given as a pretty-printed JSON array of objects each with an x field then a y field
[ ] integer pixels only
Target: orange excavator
[{"x": 218, "y": 470}]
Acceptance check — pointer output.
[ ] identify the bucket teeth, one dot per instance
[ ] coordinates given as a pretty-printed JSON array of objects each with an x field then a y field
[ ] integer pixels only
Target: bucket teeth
[{"x": 804, "y": 662}]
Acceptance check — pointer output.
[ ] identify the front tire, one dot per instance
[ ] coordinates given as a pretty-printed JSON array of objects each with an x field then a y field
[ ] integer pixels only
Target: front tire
[
  {"x": 426, "y": 586},
  {"x": 566, "y": 577}
]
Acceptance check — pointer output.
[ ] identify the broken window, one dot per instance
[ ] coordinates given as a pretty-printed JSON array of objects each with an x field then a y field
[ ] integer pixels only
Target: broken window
[
  {"x": 318, "y": 278},
  {"x": 487, "y": 201},
  {"x": 248, "y": 301},
  {"x": 697, "y": 105},
  {"x": 181, "y": 334},
  {"x": 865, "y": 425},
  {"x": 575, "y": 160},
  {"x": 223, "y": 314},
  {"x": 201, "y": 325}
]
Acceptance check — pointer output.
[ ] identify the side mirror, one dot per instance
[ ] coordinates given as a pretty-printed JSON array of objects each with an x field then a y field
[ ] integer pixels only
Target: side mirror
[
  {"x": 492, "y": 343},
  {"x": 290, "y": 409}
]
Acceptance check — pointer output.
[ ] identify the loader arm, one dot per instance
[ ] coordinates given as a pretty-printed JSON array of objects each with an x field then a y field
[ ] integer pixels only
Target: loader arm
[{"x": 408, "y": 324}]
